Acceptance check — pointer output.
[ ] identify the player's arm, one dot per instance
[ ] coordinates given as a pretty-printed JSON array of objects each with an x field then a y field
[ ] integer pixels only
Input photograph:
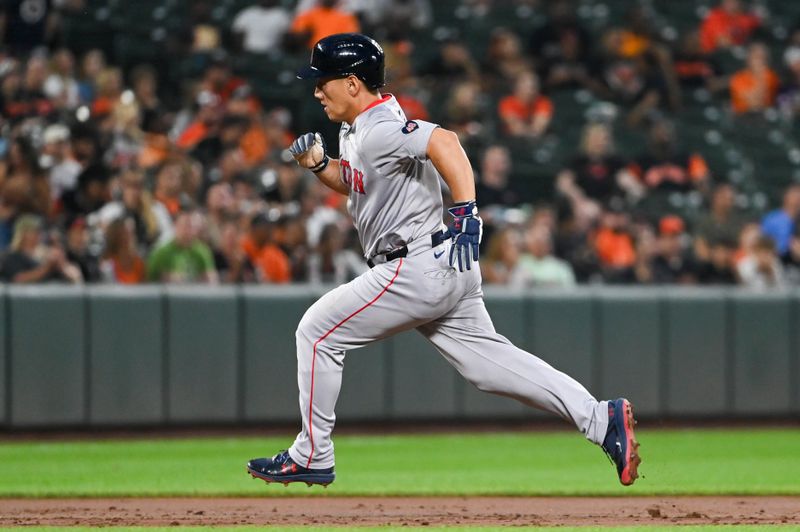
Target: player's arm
[
  {"x": 445, "y": 152},
  {"x": 330, "y": 177},
  {"x": 447, "y": 155},
  {"x": 309, "y": 152}
]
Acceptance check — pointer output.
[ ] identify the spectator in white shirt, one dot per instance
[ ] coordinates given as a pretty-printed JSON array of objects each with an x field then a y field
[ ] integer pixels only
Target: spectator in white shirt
[
  {"x": 61, "y": 86},
  {"x": 262, "y": 26},
  {"x": 761, "y": 268},
  {"x": 57, "y": 158}
]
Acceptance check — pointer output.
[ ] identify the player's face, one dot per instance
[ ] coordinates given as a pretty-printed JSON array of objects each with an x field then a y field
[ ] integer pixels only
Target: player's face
[{"x": 332, "y": 94}]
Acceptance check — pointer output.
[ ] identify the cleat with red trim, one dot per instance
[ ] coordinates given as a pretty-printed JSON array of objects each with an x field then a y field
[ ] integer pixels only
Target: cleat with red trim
[
  {"x": 281, "y": 468},
  {"x": 620, "y": 443}
]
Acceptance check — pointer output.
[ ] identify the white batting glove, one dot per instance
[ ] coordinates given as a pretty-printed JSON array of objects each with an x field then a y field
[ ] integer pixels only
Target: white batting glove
[{"x": 309, "y": 152}]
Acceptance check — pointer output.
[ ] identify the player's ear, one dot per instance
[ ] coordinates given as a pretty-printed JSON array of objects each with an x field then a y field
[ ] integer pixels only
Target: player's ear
[{"x": 352, "y": 85}]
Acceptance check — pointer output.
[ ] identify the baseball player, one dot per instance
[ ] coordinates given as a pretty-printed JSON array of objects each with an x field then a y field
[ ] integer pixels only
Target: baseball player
[{"x": 423, "y": 274}]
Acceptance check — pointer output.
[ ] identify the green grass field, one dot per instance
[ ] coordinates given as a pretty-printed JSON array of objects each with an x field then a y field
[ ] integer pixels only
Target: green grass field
[{"x": 735, "y": 462}]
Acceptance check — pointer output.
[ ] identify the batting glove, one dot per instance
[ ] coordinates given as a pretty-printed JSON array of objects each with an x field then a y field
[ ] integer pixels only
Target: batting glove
[
  {"x": 466, "y": 230},
  {"x": 309, "y": 152}
]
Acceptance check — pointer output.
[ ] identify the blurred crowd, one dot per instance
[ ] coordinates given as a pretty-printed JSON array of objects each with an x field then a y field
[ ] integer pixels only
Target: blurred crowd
[{"x": 111, "y": 174}]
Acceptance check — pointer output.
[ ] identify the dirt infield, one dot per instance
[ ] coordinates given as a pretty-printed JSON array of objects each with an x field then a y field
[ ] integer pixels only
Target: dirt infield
[{"x": 403, "y": 511}]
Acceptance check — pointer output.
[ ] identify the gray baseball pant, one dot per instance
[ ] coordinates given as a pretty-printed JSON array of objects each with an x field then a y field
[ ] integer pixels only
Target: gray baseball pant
[{"x": 422, "y": 291}]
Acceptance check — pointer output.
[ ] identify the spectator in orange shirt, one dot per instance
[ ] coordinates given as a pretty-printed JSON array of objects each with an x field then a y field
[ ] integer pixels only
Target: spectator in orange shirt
[
  {"x": 673, "y": 263},
  {"x": 319, "y": 22},
  {"x": 613, "y": 243},
  {"x": 756, "y": 86},
  {"x": 109, "y": 88},
  {"x": 206, "y": 120},
  {"x": 727, "y": 25},
  {"x": 121, "y": 262},
  {"x": 525, "y": 112},
  {"x": 169, "y": 187},
  {"x": 219, "y": 78},
  {"x": 271, "y": 263},
  {"x": 412, "y": 107},
  {"x": 254, "y": 143}
]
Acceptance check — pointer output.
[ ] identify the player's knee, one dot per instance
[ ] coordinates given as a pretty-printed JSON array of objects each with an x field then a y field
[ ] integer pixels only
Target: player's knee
[
  {"x": 303, "y": 334},
  {"x": 482, "y": 383},
  {"x": 304, "y": 347}
]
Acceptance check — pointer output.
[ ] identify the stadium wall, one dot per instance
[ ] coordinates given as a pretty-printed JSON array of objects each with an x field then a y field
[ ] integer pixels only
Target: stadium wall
[{"x": 114, "y": 356}]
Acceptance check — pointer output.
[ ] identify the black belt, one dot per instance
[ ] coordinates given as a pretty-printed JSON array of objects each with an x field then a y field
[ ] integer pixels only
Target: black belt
[
  {"x": 396, "y": 254},
  {"x": 436, "y": 239}
]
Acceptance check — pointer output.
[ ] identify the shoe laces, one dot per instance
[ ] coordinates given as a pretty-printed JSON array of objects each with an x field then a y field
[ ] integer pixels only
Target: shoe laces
[{"x": 281, "y": 457}]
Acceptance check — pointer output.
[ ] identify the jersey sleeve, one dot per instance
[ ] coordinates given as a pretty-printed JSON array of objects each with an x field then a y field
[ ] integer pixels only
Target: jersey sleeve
[{"x": 391, "y": 140}]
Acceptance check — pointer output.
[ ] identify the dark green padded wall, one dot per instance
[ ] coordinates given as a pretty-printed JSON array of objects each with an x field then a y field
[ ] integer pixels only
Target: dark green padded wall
[
  {"x": 127, "y": 355},
  {"x": 795, "y": 351},
  {"x": 114, "y": 356},
  {"x": 203, "y": 354},
  {"x": 697, "y": 349},
  {"x": 364, "y": 383},
  {"x": 561, "y": 331},
  {"x": 423, "y": 383},
  {"x": 630, "y": 349},
  {"x": 271, "y": 315},
  {"x": 761, "y": 339},
  {"x": 48, "y": 346},
  {"x": 4, "y": 376}
]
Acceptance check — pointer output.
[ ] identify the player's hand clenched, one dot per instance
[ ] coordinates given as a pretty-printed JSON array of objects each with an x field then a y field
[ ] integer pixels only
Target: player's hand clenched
[
  {"x": 466, "y": 230},
  {"x": 309, "y": 152}
]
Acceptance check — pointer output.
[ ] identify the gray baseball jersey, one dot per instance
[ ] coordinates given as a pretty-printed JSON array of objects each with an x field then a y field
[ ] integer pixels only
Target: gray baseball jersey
[
  {"x": 395, "y": 200},
  {"x": 395, "y": 195}
]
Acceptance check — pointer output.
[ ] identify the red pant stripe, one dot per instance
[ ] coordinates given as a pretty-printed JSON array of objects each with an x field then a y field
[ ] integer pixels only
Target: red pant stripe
[{"x": 314, "y": 360}]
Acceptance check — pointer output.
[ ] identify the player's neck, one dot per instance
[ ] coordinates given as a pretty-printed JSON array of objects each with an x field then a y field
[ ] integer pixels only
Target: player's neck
[{"x": 363, "y": 102}]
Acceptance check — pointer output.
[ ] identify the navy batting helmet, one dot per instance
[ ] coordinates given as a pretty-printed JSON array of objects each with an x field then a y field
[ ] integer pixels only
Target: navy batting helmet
[{"x": 347, "y": 54}]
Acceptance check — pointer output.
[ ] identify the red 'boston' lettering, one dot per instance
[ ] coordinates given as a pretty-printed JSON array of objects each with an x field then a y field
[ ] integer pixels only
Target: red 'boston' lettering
[
  {"x": 352, "y": 177},
  {"x": 346, "y": 172},
  {"x": 358, "y": 181}
]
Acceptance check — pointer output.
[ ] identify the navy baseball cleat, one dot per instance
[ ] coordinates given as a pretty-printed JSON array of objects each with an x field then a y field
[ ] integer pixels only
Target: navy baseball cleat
[
  {"x": 620, "y": 443},
  {"x": 281, "y": 468}
]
